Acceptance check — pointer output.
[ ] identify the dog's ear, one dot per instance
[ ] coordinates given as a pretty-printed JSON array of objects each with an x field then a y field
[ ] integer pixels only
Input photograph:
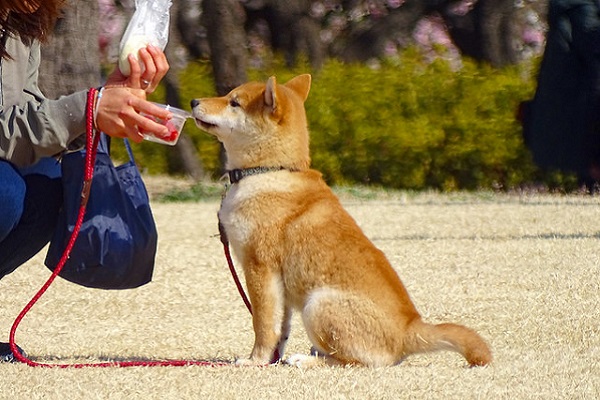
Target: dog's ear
[
  {"x": 301, "y": 85},
  {"x": 271, "y": 93}
]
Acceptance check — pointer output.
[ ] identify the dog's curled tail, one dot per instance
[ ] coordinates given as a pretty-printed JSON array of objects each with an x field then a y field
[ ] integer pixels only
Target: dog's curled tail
[{"x": 424, "y": 337}]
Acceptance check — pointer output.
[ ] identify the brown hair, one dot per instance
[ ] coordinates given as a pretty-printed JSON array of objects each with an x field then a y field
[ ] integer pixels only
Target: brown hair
[{"x": 26, "y": 26}]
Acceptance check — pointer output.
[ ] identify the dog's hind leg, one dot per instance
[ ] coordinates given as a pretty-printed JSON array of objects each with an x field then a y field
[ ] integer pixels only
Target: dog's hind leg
[
  {"x": 314, "y": 359},
  {"x": 346, "y": 328}
]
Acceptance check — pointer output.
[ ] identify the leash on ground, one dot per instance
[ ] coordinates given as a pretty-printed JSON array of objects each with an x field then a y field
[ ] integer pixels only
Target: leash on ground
[{"x": 91, "y": 148}]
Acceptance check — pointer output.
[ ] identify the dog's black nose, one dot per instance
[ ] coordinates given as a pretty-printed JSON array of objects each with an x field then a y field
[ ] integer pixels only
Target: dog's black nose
[{"x": 194, "y": 103}]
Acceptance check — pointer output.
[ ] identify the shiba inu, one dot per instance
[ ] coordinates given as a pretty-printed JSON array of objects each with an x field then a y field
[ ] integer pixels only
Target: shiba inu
[{"x": 299, "y": 248}]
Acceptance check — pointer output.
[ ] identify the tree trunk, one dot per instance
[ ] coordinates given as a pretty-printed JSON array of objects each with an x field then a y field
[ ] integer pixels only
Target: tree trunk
[
  {"x": 487, "y": 33},
  {"x": 71, "y": 58},
  {"x": 184, "y": 155},
  {"x": 224, "y": 21},
  {"x": 191, "y": 31},
  {"x": 497, "y": 31},
  {"x": 370, "y": 41},
  {"x": 292, "y": 29}
]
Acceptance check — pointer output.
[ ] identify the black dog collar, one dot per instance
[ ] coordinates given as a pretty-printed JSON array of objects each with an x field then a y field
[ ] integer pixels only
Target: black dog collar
[{"x": 236, "y": 175}]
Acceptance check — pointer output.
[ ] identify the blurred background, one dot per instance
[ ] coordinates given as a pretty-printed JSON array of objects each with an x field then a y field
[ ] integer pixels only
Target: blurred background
[{"x": 407, "y": 94}]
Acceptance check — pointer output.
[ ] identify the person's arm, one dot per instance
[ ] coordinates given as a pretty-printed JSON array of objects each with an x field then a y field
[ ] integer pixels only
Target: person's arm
[{"x": 32, "y": 126}]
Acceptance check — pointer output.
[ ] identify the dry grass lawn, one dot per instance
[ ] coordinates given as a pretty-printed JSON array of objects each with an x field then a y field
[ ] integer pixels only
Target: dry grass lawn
[{"x": 523, "y": 270}]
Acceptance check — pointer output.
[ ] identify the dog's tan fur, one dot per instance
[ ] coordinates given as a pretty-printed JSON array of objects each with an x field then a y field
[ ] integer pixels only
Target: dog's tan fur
[{"x": 301, "y": 250}]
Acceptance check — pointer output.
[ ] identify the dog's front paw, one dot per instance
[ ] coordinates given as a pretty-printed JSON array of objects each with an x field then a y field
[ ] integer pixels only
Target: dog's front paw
[{"x": 303, "y": 361}]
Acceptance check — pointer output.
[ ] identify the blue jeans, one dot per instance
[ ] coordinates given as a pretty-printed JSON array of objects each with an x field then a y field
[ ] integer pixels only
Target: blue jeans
[{"x": 30, "y": 200}]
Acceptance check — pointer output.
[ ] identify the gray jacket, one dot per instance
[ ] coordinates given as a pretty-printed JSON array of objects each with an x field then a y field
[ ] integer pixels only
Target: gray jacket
[{"x": 32, "y": 126}]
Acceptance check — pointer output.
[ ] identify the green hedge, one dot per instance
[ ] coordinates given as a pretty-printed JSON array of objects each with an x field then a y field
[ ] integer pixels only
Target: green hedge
[
  {"x": 405, "y": 124},
  {"x": 410, "y": 125}
]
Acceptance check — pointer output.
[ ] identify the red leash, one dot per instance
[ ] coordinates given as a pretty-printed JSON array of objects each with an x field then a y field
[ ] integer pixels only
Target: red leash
[
  {"x": 238, "y": 284},
  {"x": 91, "y": 148}
]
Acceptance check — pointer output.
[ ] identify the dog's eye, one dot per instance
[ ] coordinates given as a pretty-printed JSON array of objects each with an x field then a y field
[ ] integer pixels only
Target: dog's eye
[{"x": 234, "y": 103}]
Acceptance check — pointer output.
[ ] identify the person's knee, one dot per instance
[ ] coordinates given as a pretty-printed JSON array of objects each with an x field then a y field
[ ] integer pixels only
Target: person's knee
[
  {"x": 12, "y": 198},
  {"x": 44, "y": 200}
]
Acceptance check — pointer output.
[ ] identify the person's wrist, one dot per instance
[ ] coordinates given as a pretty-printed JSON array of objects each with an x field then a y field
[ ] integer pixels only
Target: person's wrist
[{"x": 99, "y": 92}]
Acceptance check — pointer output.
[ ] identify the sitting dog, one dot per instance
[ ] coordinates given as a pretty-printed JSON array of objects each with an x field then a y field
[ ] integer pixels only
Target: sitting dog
[{"x": 301, "y": 250}]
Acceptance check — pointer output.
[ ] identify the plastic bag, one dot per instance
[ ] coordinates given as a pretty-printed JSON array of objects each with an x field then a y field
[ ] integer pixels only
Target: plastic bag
[
  {"x": 149, "y": 24},
  {"x": 116, "y": 246}
]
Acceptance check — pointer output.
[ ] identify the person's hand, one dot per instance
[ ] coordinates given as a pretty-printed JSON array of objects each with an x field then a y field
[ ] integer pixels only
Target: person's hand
[
  {"x": 124, "y": 98},
  {"x": 118, "y": 114},
  {"x": 155, "y": 67}
]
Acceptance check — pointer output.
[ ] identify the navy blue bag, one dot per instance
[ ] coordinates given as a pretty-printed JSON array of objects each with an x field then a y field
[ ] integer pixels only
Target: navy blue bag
[{"x": 116, "y": 246}]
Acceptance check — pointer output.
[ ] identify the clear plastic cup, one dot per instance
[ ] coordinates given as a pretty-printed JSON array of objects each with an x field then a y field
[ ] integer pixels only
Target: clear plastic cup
[{"x": 175, "y": 125}]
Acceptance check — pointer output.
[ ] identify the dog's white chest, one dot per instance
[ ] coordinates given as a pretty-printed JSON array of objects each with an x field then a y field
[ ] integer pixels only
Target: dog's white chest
[
  {"x": 237, "y": 224},
  {"x": 250, "y": 204}
]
